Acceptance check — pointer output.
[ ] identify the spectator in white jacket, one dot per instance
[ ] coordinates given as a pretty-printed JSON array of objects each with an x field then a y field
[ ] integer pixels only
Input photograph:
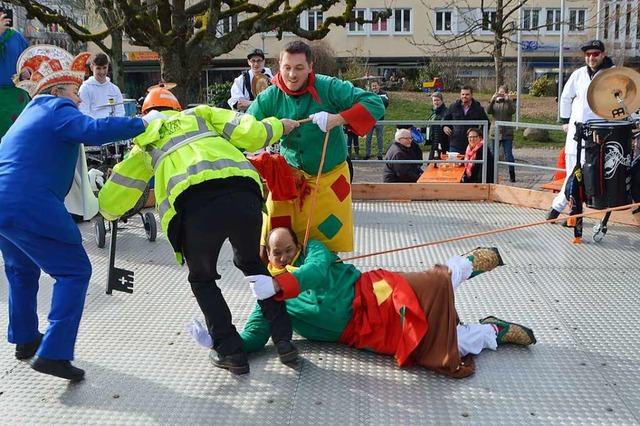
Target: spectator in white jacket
[
  {"x": 98, "y": 91},
  {"x": 242, "y": 90},
  {"x": 575, "y": 108}
]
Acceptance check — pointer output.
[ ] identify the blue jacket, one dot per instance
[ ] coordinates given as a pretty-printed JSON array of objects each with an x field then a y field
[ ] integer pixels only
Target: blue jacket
[{"x": 38, "y": 156}]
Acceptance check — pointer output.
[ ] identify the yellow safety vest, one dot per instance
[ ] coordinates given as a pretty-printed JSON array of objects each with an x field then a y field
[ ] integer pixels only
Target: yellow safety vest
[{"x": 186, "y": 149}]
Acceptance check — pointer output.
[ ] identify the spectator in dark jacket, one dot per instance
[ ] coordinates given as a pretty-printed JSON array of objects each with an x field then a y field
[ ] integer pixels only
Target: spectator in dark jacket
[
  {"x": 403, "y": 148},
  {"x": 473, "y": 171},
  {"x": 437, "y": 136},
  {"x": 466, "y": 108}
]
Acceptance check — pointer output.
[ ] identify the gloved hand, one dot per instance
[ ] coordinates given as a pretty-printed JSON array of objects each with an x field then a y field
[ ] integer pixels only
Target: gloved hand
[
  {"x": 96, "y": 180},
  {"x": 261, "y": 286},
  {"x": 152, "y": 115},
  {"x": 461, "y": 269},
  {"x": 200, "y": 334},
  {"x": 321, "y": 119}
]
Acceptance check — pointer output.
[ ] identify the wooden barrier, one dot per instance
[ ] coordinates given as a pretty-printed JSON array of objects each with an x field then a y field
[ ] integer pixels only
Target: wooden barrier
[{"x": 471, "y": 192}]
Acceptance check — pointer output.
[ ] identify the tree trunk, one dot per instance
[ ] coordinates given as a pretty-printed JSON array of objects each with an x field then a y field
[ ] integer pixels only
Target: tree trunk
[
  {"x": 183, "y": 69},
  {"x": 117, "y": 63}
]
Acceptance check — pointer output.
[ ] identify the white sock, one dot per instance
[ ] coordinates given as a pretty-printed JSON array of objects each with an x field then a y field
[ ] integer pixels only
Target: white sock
[{"x": 461, "y": 269}]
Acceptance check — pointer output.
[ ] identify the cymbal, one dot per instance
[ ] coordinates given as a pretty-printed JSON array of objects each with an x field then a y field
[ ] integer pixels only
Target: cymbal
[
  {"x": 162, "y": 85},
  {"x": 110, "y": 105},
  {"x": 610, "y": 84}
]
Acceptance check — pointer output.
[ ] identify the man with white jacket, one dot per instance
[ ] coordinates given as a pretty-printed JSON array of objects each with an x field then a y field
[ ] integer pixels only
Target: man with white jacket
[
  {"x": 575, "y": 108},
  {"x": 98, "y": 91}
]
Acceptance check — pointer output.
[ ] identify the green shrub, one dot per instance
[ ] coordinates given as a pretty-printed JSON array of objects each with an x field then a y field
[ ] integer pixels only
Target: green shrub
[
  {"x": 543, "y": 87},
  {"x": 219, "y": 92}
]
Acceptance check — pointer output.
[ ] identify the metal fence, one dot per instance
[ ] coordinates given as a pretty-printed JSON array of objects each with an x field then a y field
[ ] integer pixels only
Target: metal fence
[{"x": 495, "y": 143}]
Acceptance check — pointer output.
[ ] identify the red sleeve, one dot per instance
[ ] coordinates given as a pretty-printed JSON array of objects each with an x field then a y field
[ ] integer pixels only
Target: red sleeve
[
  {"x": 359, "y": 119},
  {"x": 290, "y": 286}
]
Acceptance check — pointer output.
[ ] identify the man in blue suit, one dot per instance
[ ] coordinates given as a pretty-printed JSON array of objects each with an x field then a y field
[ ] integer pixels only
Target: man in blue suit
[{"x": 38, "y": 157}]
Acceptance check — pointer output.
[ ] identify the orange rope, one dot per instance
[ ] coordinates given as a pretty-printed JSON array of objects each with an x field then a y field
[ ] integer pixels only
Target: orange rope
[
  {"x": 315, "y": 192},
  {"x": 495, "y": 231}
]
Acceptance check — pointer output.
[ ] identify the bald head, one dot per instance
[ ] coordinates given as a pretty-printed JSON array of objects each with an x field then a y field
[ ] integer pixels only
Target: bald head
[{"x": 282, "y": 247}]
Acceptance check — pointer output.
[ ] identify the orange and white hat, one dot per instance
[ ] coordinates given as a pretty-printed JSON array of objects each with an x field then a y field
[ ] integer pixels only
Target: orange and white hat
[{"x": 49, "y": 66}]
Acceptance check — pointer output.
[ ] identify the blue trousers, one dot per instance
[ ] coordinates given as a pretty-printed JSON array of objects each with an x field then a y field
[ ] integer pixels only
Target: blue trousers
[
  {"x": 26, "y": 252},
  {"x": 379, "y": 129}
]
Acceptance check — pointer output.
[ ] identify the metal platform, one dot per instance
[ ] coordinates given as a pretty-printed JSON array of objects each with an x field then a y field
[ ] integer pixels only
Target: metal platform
[{"x": 583, "y": 301}]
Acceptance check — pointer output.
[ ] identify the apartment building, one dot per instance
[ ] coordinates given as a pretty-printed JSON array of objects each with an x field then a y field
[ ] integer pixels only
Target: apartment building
[{"x": 415, "y": 34}]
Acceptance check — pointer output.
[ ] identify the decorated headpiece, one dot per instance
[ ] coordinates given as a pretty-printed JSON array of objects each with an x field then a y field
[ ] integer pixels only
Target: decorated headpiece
[{"x": 49, "y": 66}]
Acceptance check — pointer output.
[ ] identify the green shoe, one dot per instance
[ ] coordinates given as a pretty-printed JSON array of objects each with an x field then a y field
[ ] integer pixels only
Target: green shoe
[
  {"x": 484, "y": 259},
  {"x": 511, "y": 332}
]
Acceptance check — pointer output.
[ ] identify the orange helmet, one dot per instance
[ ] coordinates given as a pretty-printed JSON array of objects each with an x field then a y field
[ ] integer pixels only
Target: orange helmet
[{"x": 160, "y": 98}]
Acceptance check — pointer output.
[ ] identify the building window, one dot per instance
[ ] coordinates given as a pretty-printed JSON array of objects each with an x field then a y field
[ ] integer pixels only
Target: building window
[
  {"x": 488, "y": 20},
  {"x": 402, "y": 20},
  {"x": 381, "y": 25},
  {"x": 553, "y": 19},
  {"x": 315, "y": 18},
  {"x": 443, "y": 21},
  {"x": 226, "y": 25},
  {"x": 530, "y": 19},
  {"x": 577, "y": 19},
  {"x": 354, "y": 27}
]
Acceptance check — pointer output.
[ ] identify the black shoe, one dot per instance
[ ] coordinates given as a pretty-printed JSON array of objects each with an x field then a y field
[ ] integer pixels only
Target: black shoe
[
  {"x": 236, "y": 363},
  {"x": 512, "y": 175},
  {"x": 552, "y": 214},
  {"x": 367, "y": 157},
  {"x": 379, "y": 157},
  {"x": 28, "y": 350},
  {"x": 58, "y": 367},
  {"x": 286, "y": 351}
]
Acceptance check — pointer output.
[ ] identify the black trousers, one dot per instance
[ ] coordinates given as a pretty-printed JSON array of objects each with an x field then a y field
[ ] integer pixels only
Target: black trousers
[{"x": 238, "y": 217}]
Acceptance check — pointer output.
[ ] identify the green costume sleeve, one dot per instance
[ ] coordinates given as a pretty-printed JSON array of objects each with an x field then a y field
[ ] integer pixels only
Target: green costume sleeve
[
  {"x": 125, "y": 185},
  {"x": 314, "y": 272},
  {"x": 256, "y": 331}
]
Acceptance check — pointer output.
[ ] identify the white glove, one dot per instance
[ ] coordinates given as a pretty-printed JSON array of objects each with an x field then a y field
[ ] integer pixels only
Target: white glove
[
  {"x": 200, "y": 334},
  {"x": 261, "y": 286},
  {"x": 96, "y": 180},
  {"x": 461, "y": 269},
  {"x": 152, "y": 115},
  {"x": 321, "y": 119}
]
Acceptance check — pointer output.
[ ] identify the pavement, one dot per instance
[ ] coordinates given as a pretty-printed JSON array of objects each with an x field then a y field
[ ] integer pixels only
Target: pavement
[{"x": 582, "y": 301}]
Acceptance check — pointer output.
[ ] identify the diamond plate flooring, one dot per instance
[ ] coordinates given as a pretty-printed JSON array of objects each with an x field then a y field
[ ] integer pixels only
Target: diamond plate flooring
[{"x": 142, "y": 369}]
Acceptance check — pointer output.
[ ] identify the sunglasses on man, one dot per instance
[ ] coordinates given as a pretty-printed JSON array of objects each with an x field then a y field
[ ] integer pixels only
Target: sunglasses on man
[{"x": 590, "y": 54}]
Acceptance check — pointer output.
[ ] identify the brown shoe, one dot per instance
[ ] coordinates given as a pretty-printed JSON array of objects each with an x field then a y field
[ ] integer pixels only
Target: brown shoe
[{"x": 511, "y": 332}]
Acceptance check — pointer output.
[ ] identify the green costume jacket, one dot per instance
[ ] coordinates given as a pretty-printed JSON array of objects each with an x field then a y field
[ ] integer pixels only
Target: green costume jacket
[
  {"x": 302, "y": 148},
  {"x": 323, "y": 308}
]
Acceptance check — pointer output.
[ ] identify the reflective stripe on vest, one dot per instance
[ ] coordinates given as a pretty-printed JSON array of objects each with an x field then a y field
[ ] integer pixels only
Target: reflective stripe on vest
[
  {"x": 194, "y": 169},
  {"x": 176, "y": 142},
  {"x": 128, "y": 182},
  {"x": 231, "y": 125}
]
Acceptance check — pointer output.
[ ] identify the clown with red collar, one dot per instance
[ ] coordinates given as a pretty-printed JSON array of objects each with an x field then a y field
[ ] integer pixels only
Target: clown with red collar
[
  {"x": 298, "y": 93},
  {"x": 38, "y": 158}
]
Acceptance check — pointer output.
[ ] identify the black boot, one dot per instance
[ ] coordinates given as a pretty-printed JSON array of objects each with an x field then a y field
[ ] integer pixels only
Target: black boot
[
  {"x": 552, "y": 214},
  {"x": 236, "y": 363},
  {"x": 286, "y": 351},
  {"x": 58, "y": 367},
  {"x": 28, "y": 350},
  {"x": 512, "y": 175}
]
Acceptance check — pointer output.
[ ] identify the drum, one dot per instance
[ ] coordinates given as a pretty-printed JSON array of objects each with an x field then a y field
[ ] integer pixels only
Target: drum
[
  {"x": 607, "y": 153},
  {"x": 130, "y": 109}
]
